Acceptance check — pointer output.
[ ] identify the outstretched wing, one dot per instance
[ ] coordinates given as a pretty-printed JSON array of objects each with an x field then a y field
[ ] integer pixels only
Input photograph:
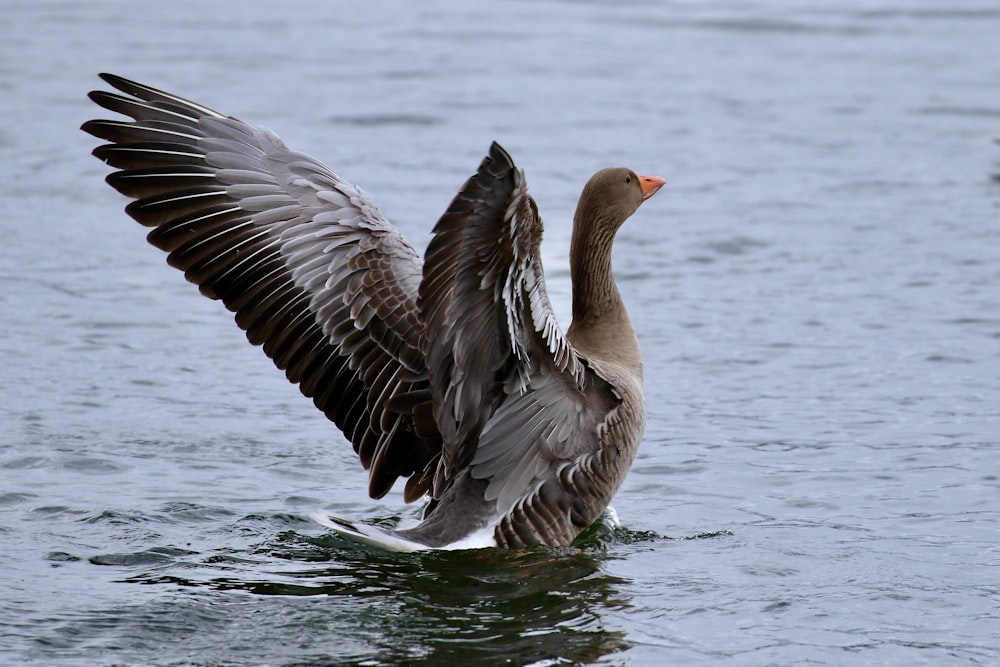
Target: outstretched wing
[
  {"x": 512, "y": 397},
  {"x": 312, "y": 270}
]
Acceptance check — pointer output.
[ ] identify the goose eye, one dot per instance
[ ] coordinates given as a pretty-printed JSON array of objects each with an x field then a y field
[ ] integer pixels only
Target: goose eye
[{"x": 628, "y": 179}]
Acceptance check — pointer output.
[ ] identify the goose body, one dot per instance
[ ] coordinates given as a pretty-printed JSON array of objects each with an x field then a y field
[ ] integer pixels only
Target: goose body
[{"x": 449, "y": 371}]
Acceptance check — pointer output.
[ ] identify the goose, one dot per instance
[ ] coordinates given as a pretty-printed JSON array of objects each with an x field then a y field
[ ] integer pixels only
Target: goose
[{"x": 450, "y": 372}]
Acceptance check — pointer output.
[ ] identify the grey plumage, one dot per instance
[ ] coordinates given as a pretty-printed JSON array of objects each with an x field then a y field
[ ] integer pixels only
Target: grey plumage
[{"x": 450, "y": 372}]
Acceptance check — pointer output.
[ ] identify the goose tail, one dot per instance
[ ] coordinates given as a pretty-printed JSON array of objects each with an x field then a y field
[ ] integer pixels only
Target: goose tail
[{"x": 370, "y": 535}]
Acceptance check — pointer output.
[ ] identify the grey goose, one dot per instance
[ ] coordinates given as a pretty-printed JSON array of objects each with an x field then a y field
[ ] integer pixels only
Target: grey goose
[{"x": 451, "y": 372}]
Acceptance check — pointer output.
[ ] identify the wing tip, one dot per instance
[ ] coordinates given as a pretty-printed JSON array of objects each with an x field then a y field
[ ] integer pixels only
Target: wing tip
[
  {"x": 500, "y": 154},
  {"x": 112, "y": 79}
]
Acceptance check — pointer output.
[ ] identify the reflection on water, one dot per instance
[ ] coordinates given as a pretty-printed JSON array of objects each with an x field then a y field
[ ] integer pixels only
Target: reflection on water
[
  {"x": 488, "y": 606},
  {"x": 321, "y": 599},
  {"x": 471, "y": 607}
]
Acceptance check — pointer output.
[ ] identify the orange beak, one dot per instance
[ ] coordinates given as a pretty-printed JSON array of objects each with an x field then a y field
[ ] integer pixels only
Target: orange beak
[{"x": 649, "y": 185}]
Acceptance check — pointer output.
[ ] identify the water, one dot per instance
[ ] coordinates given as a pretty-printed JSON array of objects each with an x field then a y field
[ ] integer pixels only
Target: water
[{"x": 817, "y": 294}]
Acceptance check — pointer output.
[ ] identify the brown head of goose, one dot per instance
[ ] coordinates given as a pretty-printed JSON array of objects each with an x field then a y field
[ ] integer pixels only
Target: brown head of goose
[{"x": 451, "y": 372}]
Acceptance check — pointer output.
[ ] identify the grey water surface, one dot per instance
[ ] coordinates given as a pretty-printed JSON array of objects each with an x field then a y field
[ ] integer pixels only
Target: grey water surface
[{"x": 816, "y": 291}]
